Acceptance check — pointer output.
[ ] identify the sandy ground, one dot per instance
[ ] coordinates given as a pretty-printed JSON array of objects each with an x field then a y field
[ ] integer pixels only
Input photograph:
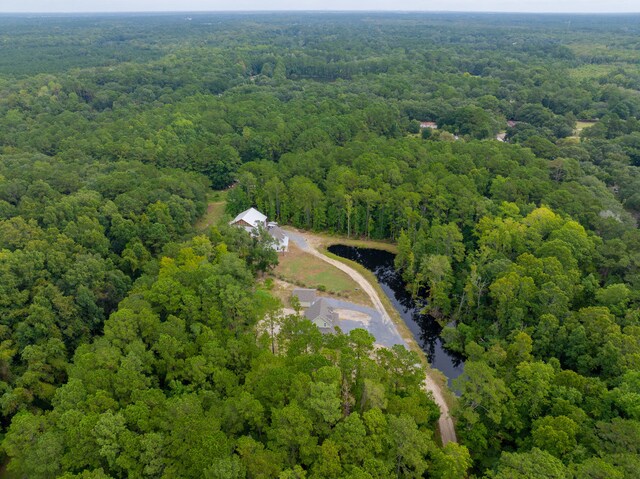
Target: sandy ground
[
  {"x": 445, "y": 422},
  {"x": 350, "y": 314},
  {"x": 282, "y": 290},
  {"x": 309, "y": 243}
]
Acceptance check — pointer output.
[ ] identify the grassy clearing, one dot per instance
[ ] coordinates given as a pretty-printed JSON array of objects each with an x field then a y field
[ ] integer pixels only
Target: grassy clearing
[
  {"x": 587, "y": 72},
  {"x": 282, "y": 290},
  {"x": 217, "y": 202},
  {"x": 581, "y": 125},
  {"x": 331, "y": 240},
  {"x": 591, "y": 71},
  {"x": 303, "y": 269}
]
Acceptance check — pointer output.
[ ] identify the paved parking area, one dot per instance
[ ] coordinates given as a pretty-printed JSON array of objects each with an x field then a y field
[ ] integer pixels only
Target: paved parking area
[{"x": 384, "y": 335}]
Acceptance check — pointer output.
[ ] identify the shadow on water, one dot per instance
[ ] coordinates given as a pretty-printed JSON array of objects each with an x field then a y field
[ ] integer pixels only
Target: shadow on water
[{"x": 425, "y": 329}]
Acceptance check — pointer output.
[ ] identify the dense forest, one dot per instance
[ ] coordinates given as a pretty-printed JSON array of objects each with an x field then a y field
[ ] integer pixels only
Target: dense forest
[{"x": 131, "y": 344}]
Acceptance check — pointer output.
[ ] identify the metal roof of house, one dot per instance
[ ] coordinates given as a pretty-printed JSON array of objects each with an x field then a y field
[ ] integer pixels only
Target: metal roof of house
[{"x": 251, "y": 216}]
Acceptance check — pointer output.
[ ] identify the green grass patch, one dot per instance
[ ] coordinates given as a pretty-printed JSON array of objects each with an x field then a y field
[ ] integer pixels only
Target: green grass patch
[
  {"x": 587, "y": 72},
  {"x": 218, "y": 195},
  {"x": 581, "y": 125},
  {"x": 305, "y": 270},
  {"x": 217, "y": 203}
]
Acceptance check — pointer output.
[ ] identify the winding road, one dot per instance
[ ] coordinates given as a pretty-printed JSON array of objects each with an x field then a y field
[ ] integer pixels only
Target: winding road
[{"x": 305, "y": 242}]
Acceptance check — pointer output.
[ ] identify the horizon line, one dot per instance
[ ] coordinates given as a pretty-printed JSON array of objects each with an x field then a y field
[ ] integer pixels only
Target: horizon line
[{"x": 119, "y": 12}]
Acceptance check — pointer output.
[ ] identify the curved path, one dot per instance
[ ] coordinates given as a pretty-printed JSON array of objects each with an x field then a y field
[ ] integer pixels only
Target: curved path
[{"x": 445, "y": 423}]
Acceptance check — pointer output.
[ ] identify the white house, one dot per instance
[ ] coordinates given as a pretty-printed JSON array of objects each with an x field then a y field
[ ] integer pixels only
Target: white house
[{"x": 251, "y": 220}]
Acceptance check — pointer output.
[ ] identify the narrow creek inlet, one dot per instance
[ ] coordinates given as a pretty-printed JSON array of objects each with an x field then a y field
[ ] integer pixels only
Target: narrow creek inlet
[{"x": 424, "y": 328}]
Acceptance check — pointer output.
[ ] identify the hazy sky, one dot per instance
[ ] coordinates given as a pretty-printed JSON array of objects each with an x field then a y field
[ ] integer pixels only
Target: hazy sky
[{"x": 217, "y": 5}]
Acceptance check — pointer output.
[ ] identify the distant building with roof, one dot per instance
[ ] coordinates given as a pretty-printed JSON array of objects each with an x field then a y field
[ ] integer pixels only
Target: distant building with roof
[
  {"x": 322, "y": 315},
  {"x": 252, "y": 220},
  {"x": 429, "y": 124},
  {"x": 305, "y": 296}
]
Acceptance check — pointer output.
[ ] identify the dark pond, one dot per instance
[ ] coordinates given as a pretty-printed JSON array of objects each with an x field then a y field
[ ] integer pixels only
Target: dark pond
[{"x": 425, "y": 329}]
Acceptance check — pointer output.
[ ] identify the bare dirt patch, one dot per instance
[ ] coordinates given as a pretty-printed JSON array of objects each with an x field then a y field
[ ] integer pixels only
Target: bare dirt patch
[
  {"x": 282, "y": 290},
  {"x": 350, "y": 314}
]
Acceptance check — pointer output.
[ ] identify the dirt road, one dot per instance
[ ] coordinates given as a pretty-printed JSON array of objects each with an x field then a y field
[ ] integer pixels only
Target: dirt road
[
  {"x": 445, "y": 423},
  {"x": 306, "y": 241}
]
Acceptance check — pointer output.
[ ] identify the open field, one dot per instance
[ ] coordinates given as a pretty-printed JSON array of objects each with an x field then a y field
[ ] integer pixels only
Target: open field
[
  {"x": 215, "y": 209},
  {"x": 282, "y": 290},
  {"x": 581, "y": 125},
  {"x": 303, "y": 269},
  {"x": 297, "y": 268},
  {"x": 589, "y": 71}
]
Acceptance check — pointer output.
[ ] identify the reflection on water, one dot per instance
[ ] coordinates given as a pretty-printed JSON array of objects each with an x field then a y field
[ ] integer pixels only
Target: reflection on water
[{"x": 425, "y": 329}]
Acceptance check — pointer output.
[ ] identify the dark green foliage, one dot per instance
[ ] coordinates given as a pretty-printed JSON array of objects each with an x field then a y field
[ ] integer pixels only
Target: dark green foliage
[
  {"x": 178, "y": 387},
  {"x": 77, "y": 236},
  {"x": 529, "y": 250}
]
